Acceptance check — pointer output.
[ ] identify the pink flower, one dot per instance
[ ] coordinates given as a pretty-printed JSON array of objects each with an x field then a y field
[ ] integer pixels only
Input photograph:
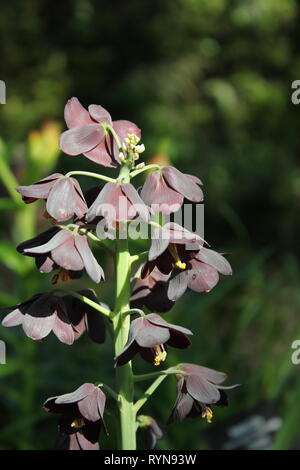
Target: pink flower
[{"x": 86, "y": 134}]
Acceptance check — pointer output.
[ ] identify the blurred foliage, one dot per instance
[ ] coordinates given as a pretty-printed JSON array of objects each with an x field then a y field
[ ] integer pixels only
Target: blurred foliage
[{"x": 209, "y": 83}]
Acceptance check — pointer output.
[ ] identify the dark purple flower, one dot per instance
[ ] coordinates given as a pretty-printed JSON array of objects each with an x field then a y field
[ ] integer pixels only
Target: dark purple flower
[
  {"x": 81, "y": 416},
  {"x": 148, "y": 335},
  {"x": 148, "y": 431},
  {"x": 118, "y": 202},
  {"x": 164, "y": 190},
  {"x": 86, "y": 134},
  {"x": 168, "y": 249},
  {"x": 197, "y": 388},
  {"x": 86, "y": 318},
  {"x": 152, "y": 292},
  {"x": 40, "y": 315},
  {"x": 64, "y": 248},
  {"x": 201, "y": 275},
  {"x": 63, "y": 194}
]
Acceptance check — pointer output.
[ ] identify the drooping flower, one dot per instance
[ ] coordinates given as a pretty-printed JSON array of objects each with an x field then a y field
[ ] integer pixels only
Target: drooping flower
[
  {"x": 152, "y": 292},
  {"x": 63, "y": 195},
  {"x": 168, "y": 248},
  {"x": 84, "y": 317},
  {"x": 148, "y": 431},
  {"x": 198, "y": 387},
  {"x": 81, "y": 416},
  {"x": 40, "y": 315},
  {"x": 118, "y": 202},
  {"x": 148, "y": 336},
  {"x": 86, "y": 134},
  {"x": 165, "y": 189},
  {"x": 65, "y": 249},
  {"x": 193, "y": 266}
]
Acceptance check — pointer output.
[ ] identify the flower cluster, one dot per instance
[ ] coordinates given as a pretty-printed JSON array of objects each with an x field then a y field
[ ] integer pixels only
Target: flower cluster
[{"x": 177, "y": 259}]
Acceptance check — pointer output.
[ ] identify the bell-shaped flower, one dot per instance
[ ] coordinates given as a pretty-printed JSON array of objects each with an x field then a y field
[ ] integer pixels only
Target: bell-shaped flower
[
  {"x": 118, "y": 202},
  {"x": 81, "y": 416},
  {"x": 66, "y": 249},
  {"x": 201, "y": 275},
  {"x": 168, "y": 248},
  {"x": 149, "y": 335},
  {"x": 198, "y": 387},
  {"x": 84, "y": 317},
  {"x": 63, "y": 195},
  {"x": 40, "y": 315},
  {"x": 148, "y": 431},
  {"x": 152, "y": 292},
  {"x": 164, "y": 190},
  {"x": 86, "y": 134}
]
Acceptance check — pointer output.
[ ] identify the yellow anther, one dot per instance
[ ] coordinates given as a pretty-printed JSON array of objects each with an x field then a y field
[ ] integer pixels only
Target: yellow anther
[
  {"x": 208, "y": 414},
  {"x": 77, "y": 423},
  {"x": 160, "y": 355},
  {"x": 62, "y": 275},
  {"x": 178, "y": 263},
  {"x": 207, "y": 291}
]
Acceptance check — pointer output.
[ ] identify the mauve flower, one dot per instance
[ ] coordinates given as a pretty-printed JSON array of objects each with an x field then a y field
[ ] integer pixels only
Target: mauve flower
[
  {"x": 64, "y": 248},
  {"x": 63, "y": 194},
  {"x": 148, "y": 335},
  {"x": 197, "y": 388},
  {"x": 84, "y": 317},
  {"x": 118, "y": 202},
  {"x": 148, "y": 431},
  {"x": 40, "y": 315},
  {"x": 168, "y": 248},
  {"x": 201, "y": 274},
  {"x": 81, "y": 416},
  {"x": 152, "y": 293},
  {"x": 164, "y": 190},
  {"x": 86, "y": 134}
]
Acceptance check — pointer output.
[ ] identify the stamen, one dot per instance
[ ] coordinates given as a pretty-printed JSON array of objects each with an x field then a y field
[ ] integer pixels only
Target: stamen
[
  {"x": 62, "y": 275},
  {"x": 160, "y": 354},
  {"x": 178, "y": 263},
  {"x": 77, "y": 423},
  {"x": 48, "y": 216},
  {"x": 208, "y": 414}
]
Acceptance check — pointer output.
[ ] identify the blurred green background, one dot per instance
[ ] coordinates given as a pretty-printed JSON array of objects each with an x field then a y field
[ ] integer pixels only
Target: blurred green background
[{"x": 209, "y": 83}]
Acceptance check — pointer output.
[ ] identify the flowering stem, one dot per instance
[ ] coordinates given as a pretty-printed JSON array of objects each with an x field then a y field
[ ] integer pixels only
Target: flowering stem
[
  {"x": 88, "y": 301},
  {"x": 170, "y": 371},
  {"x": 145, "y": 168},
  {"x": 150, "y": 390},
  {"x": 121, "y": 325},
  {"x": 109, "y": 391},
  {"x": 92, "y": 175}
]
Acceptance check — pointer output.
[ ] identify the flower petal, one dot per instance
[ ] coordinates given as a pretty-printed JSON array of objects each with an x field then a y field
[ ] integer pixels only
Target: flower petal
[
  {"x": 202, "y": 277},
  {"x": 91, "y": 265},
  {"x": 67, "y": 256},
  {"x": 214, "y": 259},
  {"x": 99, "y": 114},
  {"x": 65, "y": 200},
  {"x": 157, "y": 194},
  {"x": 151, "y": 335},
  {"x": 59, "y": 238},
  {"x": 63, "y": 331},
  {"x": 76, "y": 114},
  {"x": 136, "y": 201},
  {"x": 79, "y": 394},
  {"x": 123, "y": 128},
  {"x": 14, "y": 318},
  {"x": 40, "y": 189},
  {"x": 81, "y": 139},
  {"x": 202, "y": 390},
  {"x": 37, "y": 327},
  {"x": 177, "y": 284},
  {"x": 182, "y": 184},
  {"x": 210, "y": 375}
]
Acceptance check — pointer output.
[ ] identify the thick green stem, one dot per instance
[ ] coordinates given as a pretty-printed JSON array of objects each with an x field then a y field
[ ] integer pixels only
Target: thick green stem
[{"x": 121, "y": 324}]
